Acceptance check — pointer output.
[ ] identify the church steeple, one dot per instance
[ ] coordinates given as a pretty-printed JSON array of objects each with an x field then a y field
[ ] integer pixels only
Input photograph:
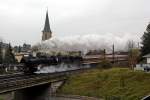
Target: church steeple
[
  {"x": 46, "y": 31},
  {"x": 47, "y": 25}
]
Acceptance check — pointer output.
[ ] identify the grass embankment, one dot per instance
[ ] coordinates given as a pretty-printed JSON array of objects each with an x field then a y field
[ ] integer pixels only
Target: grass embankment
[{"x": 110, "y": 84}]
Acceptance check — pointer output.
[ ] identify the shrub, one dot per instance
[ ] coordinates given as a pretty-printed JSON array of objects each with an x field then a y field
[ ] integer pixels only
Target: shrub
[{"x": 105, "y": 64}]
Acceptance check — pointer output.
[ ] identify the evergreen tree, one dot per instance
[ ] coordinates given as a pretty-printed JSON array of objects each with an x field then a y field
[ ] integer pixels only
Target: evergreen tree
[
  {"x": 9, "y": 56},
  {"x": 19, "y": 49},
  {"x": 146, "y": 42},
  {"x": 0, "y": 53}
]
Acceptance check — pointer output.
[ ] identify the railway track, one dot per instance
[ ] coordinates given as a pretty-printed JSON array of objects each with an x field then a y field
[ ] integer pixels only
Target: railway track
[
  {"x": 17, "y": 76},
  {"x": 10, "y": 75}
]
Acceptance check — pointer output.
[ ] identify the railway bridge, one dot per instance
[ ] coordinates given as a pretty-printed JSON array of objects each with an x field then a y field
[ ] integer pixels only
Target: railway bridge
[{"x": 33, "y": 86}]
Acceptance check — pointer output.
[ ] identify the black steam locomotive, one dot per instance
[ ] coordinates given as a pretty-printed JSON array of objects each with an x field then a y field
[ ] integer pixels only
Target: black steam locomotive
[{"x": 30, "y": 64}]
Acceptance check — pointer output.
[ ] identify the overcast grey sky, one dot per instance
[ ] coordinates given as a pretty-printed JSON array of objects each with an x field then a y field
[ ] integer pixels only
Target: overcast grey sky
[{"x": 23, "y": 20}]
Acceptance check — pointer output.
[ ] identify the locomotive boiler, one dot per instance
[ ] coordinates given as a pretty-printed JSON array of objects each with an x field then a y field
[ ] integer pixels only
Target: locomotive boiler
[{"x": 31, "y": 64}]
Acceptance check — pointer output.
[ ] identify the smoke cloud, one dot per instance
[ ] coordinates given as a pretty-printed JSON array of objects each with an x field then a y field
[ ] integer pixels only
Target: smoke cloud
[{"x": 87, "y": 42}]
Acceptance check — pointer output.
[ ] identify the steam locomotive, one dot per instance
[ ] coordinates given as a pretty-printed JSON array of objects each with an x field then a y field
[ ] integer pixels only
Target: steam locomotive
[{"x": 31, "y": 64}]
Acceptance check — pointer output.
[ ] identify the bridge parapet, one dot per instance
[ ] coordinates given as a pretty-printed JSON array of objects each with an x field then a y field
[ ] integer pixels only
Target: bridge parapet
[
  {"x": 25, "y": 81},
  {"x": 30, "y": 81}
]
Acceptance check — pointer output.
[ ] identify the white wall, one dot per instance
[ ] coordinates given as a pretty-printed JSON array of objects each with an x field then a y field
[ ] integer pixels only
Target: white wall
[{"x": 148, "y": 60}]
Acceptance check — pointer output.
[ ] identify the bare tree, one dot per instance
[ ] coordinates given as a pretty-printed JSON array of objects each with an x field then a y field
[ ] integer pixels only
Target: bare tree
[
  {"x": 133, "y": 57},
  {"x": 133, "y": 53},
  {"x": 130, "y": 45}
]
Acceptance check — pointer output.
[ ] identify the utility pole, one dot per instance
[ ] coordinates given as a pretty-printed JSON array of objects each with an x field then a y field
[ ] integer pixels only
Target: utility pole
[
  {"x": 104, "y": 54},
  {"x": 113, "y": 53}
]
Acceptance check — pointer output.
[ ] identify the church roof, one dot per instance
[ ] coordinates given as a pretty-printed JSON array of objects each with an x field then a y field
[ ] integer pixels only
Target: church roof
[{"x": 47, "y": 25}]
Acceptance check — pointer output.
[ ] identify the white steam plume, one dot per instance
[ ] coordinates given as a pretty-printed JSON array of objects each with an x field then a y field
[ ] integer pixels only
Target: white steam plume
[{"x": 87, "y": 42}]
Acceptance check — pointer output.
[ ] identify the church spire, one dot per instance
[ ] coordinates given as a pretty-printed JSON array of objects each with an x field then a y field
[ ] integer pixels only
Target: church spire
[
  {"x": 47, "y": 25},
  {"x": 47, "y": 34}
]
